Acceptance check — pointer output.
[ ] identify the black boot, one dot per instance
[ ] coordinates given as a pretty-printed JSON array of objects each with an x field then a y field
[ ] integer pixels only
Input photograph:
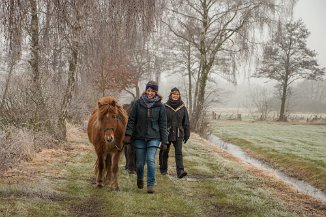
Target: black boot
[
  {"x": 140, "y": 183},
  {"x": 181, "y": 174},
  {"x": 163, "y": 160}
]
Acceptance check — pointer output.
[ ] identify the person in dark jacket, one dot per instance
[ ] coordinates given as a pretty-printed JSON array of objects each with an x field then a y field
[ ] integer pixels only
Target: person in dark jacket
[
  {"x": 147, "y": 125},
  {"x": 179, "y": 132}
]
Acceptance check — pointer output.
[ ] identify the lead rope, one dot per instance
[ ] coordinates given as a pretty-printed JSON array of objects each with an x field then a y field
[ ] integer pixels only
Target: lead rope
[{"x": 119, "y": 149}]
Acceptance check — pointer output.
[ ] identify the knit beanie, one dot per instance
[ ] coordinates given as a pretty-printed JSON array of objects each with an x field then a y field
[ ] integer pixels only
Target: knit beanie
[{"x": 153, "y": 85}]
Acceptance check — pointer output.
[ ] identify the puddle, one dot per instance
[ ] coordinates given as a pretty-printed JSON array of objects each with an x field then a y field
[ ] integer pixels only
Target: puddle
[{"x": 297, "y": 184}]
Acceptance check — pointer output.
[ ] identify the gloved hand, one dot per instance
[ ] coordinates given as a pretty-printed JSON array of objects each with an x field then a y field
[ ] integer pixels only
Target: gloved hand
[
  {"x": 164, "y": 146},
  {"x": 127, "y": 139}
]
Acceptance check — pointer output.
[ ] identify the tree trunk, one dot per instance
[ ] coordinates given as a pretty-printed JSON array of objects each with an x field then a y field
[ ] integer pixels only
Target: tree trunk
[
  {"x": 283, "y": 100},
  {"x": 203, "y": 76},
  {"x": 194, "y": 107},
  {"x": 200, "y": 99},
  {"x": 62, "y": 134},
  {"x": 284, "y": 89},
  {"x": 5, "y": 92},
  {"x": 41, "y": 119},
  {"x": 137, "y": 92},
  {"x": 189, "y": 79}
]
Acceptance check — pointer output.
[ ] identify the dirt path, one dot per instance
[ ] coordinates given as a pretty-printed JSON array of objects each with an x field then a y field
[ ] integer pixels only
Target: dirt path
[{"x": 41, "y": 169}]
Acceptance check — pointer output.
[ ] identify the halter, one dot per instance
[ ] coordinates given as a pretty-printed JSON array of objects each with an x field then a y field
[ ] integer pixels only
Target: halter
[
  {"x": 112, "y": 129},
  {"x": 107, "y": 129}
]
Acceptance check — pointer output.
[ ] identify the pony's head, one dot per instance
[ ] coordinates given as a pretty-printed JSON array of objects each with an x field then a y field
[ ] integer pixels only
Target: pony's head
[{"x": 108, "y": 117}]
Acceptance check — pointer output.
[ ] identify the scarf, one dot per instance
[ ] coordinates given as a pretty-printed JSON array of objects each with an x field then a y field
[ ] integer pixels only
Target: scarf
[
  {"x": 174, "y": 103},
  {"x": 150, "y": 102}
]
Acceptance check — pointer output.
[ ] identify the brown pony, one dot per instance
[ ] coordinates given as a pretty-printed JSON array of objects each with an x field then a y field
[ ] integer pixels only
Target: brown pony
[{"x": 106, "y": 130}]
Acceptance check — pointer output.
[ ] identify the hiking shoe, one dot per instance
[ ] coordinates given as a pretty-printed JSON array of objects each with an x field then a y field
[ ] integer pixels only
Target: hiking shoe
[
  {"x": 140, "y": 183},
  {"x": 181, "y": 174},
  {"x": 150, "y": 189}
]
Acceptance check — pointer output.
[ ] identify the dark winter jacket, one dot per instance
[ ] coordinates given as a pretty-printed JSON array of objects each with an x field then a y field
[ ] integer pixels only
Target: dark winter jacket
[
  {"x": 178, "y": 121},
  {"x": 147, "y": 123}
]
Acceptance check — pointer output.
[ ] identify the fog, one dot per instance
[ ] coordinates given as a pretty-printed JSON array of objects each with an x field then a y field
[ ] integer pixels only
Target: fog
[
  {"x": 49, "y": 75},
  {"x": 314, "y": 16},
  {"x": 234, "y": 97}
]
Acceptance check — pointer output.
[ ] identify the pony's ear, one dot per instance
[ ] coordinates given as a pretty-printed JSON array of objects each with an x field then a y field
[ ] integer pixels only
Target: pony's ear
[{"x": 114, "y": 103}]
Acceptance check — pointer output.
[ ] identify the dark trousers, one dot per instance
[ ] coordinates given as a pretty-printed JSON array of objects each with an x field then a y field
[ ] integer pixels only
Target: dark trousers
[
  {"x": 130, "y": 155},
  {"x": 164, "y": 156}
]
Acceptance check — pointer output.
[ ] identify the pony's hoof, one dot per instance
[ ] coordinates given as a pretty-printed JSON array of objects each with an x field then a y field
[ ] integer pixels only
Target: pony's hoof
[
  {"x": 99, "y": 185},
  {"x": 115, "y": 189}
]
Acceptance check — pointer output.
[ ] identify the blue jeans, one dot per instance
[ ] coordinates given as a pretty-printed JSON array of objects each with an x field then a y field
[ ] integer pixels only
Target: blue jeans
[{"x": 145, "y": 152}]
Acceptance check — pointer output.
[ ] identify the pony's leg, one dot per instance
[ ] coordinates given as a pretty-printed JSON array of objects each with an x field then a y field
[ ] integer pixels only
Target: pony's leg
[
  {"x": 115, "y": 169},
  {"x": 100, "y": 168},
  {"x": 125, "y": 151},
  {"x": 108, "y": 169}
]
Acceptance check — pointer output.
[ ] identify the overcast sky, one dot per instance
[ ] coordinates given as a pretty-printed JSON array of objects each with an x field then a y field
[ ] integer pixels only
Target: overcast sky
[{"x": 313, "y": 14}]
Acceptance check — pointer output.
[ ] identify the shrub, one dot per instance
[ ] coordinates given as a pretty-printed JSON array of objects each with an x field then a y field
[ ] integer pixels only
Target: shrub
[{"x": 15, "y": 145}]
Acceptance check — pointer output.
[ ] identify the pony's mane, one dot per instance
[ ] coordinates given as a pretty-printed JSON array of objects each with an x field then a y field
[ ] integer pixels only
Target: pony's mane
[{"x": 108, "y": 104}]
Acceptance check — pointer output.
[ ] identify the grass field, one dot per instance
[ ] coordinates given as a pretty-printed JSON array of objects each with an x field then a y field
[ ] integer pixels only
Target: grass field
[
  {"x": 299, "y": 150},
  {"x": 61, "y": 183}
]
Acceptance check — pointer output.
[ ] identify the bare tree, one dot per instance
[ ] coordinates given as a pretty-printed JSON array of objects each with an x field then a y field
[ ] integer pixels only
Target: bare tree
[
  {"x": 58, "y": 34},
  {"x": 11, "y": 64},
  {"x": 121, "y": 22},
  {"x": 183, "y": 60},
  {"x": 74, "y": 15},
  {"x": 147, "y": 61},
  {"x": 41, "y": 118},
  {"x": 141, "y": 65},
  {"x": 286, "y": 59},
  {"x": 218, "y": 29},
  {"x": 14, "y": 37}
]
